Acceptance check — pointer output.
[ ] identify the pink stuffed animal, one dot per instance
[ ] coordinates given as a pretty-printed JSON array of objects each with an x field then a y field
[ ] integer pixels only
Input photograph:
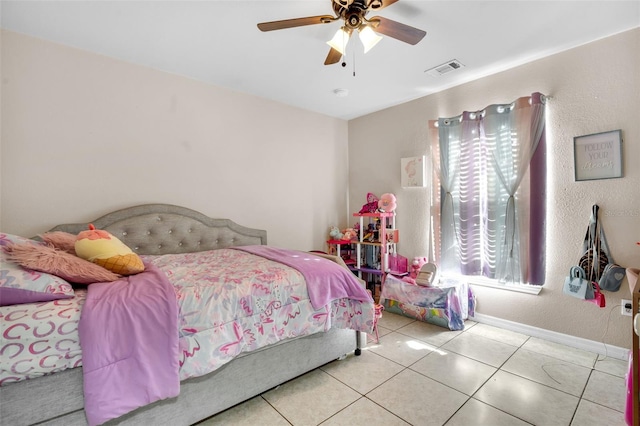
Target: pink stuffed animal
[
  {"x": 387, "y": 203},
  {"x": 349, "y": 234},
  {"x": 416, "y": 264}
]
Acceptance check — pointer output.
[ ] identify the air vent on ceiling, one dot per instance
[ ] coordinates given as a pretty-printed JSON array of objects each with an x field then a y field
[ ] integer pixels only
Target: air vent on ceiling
[{"x": 445, "y": 68}]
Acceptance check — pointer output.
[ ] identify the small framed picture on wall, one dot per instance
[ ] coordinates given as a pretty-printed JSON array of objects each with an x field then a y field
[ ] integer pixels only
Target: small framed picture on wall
[
  {"x": 412, "y": 172},
  {"x": 598, "y": 156}
]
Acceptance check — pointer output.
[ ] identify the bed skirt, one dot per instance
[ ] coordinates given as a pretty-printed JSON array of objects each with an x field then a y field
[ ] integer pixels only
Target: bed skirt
[{"x": 60, "y": 400}]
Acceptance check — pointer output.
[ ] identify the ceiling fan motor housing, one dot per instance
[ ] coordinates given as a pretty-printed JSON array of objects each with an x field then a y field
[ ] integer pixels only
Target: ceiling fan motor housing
[
  {"x": 343, "y": 3},
  {"x": 353, "y": 20},
  {"x": 353, "y": 13}
]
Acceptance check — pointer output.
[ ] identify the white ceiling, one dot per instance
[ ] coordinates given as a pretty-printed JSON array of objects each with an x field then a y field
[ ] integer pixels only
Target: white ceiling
[{"x": 218, "y": 42}]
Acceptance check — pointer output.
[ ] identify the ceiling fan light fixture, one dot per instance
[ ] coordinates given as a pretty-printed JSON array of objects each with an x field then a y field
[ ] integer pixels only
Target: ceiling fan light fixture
[
  {"x": 339, "y": 41},
  {"x": 368, "y": 38}
]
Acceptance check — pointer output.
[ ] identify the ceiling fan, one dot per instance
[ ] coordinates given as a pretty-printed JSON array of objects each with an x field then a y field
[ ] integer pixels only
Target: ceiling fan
[{"x": 353, "y": 13}]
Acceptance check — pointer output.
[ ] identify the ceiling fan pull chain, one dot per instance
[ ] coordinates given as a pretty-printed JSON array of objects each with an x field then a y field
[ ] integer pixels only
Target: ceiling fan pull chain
[{"x": 354, "y": 61}]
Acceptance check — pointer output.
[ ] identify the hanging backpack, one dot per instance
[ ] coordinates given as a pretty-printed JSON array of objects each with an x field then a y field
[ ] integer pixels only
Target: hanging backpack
[{"x": 596, "y": 259}]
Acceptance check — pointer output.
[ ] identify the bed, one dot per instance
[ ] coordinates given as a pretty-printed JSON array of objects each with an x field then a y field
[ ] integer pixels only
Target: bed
[{"x": 153, "y": 231}]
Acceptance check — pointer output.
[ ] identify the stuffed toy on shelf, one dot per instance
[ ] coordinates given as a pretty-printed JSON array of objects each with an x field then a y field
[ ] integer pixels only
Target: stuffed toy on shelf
[{"x": 335, "y": 234}]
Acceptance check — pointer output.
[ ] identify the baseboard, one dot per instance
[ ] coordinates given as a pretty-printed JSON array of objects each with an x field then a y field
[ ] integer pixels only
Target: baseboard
[{"x": 552, "y": 336}]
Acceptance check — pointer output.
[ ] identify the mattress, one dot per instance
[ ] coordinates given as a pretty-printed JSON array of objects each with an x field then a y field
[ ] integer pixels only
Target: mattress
[{"x": 230, "y": 302}]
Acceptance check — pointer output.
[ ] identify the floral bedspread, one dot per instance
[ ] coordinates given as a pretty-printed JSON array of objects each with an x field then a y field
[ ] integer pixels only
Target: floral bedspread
[
  {"x": 229, "y": 302},
  {"x": 233, "y": 302}
]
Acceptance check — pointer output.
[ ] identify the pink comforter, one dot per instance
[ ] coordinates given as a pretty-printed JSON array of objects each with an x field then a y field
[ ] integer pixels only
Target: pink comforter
[
  {"x": 326, "y": 280},
  {"x": 134, "y": 361}
]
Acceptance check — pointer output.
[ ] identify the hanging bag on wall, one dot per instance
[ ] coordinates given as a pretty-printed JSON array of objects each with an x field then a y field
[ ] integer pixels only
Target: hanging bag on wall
[
  {"x": 596, "y": 260},
  {"x": 612, "y": 277},
  {"x": 593, "y": 260},
  {"x": 577, "y": 285},
  {"x": 613, "y": 274},
  {"x": 598, "y": 296}
]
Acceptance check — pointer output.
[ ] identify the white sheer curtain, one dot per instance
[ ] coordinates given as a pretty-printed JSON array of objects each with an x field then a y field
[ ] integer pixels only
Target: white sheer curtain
[
  {"x": 483, "y": 163},
  {"x": 449, "y": 170}
]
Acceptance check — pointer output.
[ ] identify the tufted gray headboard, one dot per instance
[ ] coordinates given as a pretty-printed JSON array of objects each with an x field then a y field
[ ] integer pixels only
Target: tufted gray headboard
[{"x": 164, "y": 228}]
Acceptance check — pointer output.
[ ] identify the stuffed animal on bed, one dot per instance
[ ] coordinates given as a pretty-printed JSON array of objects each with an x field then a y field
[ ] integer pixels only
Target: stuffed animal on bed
[{"x": 102, "y": 248}]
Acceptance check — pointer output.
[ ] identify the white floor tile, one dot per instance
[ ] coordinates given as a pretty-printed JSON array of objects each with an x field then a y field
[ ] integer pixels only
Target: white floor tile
[
  {"x": 250, "y": 413},
  {"x": 606, "y": 389},
  {"x": 612, "y": 366},
  {"x": 365, "y": 372},
  {"x": 565, "y": 353},
  {"x": 311, "y": 399},
  {"x": 364, "y": 412},
  {"x": 459, "y": 372},
  {"x": 477, "y": 413},
  {"x": 499, "y": 334},
  {"x": 417, "y": 399},
  {"x": 393, "y": 321},
  {"x": 527, "y": 400},
  {"x": 430, "y": 333},
  {"x": 591, "y": 414},
  {"x": 480, "y": 348},
  {"x": 381, "y": 332},
  {"x": 553, "y": 372},
  {"x": 468, "y": 324},
  {"x": 402, "y": 349}
]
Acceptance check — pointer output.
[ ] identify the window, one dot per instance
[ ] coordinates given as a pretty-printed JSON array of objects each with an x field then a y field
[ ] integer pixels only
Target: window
[{"x": 490, "y": 173}]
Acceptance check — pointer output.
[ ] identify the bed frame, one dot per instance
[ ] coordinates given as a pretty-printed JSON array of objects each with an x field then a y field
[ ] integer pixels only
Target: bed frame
[{"x": 57, "y": 399}]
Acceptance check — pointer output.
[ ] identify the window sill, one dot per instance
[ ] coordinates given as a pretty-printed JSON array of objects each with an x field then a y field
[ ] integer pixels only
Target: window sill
[{"x": 518, "y": 288}]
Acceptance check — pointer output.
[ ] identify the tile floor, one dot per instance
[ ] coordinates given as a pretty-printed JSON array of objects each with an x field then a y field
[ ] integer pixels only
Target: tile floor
[{"x": 421, "y": 374}]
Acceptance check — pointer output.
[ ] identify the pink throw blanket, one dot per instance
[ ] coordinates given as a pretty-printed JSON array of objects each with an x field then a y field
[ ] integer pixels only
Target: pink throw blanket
[
  {"x": 129, "y": 336},
  {"x": 326, "y": 280}
]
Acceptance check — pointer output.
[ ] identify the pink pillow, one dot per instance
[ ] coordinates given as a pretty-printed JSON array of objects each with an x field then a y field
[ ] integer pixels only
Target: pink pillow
[
  {"x": 19, "y": 285},
  {"x": 61, "y": 240},
  {"x": 57, "y": 262}
]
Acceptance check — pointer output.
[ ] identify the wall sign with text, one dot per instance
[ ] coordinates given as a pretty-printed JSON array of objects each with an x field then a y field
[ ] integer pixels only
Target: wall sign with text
[{"x": 598, "y": 156}]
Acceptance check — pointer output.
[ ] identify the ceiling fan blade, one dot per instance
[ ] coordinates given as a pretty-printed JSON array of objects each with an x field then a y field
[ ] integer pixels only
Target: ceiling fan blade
[
  {"x": 297, "y": 22},
  {"x": 333, "y": 57},
  {"x": 397, "y": 30}
]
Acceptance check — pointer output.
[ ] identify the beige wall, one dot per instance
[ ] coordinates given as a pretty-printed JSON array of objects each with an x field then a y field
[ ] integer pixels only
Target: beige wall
[
  {"x": 84, "y": 134},
  {"x": 595, "y": 88}
]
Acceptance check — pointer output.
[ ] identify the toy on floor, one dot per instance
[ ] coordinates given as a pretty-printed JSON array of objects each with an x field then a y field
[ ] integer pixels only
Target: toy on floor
[
  {"x": 428, "y": 275},
  {"x": 378, "y": 308},
  {"x": 416, "y": 264}
]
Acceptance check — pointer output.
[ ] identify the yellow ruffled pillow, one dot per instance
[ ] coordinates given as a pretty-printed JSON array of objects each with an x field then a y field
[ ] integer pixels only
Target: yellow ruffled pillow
[{"x": 102, "y": 248}]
